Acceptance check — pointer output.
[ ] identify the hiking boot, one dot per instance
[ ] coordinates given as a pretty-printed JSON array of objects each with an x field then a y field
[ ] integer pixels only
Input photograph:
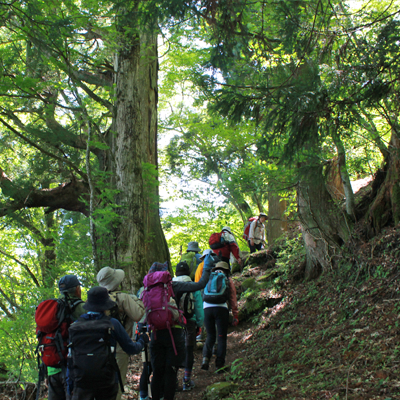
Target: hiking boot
[
  {"x": 188, "y": 385},
  {"x": 205, "y": 364}
]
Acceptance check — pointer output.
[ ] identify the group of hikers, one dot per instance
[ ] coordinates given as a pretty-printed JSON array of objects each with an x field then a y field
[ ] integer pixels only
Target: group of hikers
[{"x": 84, "y": 348}]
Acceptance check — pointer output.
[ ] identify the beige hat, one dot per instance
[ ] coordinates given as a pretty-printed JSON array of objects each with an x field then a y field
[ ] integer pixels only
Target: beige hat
[
  {"x": 110, "y": 278},
  {"x": 221, "y": 265}
]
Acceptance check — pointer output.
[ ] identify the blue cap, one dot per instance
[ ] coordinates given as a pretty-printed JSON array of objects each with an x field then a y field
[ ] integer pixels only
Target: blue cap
[{"x": 68, "y": 282}]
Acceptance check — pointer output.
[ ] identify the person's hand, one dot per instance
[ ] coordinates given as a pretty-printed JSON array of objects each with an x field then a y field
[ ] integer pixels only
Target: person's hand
[
  {"x": 252, "y": 242},
  {"x": 235, "y": 322},
  {"x": 144, "y": 337}
]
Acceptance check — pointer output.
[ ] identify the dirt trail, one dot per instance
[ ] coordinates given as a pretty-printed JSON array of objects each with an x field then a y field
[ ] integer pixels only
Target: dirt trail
[{"x": 236, "y": 349}]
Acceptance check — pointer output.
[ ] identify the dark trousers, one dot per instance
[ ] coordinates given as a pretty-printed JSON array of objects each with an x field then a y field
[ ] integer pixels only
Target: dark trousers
[
  {"x": 165, "y": 362},
  {"x": 190, "y": 342},
  {"x": 216, "y": 317},
  {"x": 108, "y": 393},
  {"x": 255, "y": 247},
  {"x": 57, "y": 387},
  {"x": 144, "y": 379}
]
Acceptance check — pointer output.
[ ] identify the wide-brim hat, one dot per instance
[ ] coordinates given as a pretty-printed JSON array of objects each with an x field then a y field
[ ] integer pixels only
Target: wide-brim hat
[
  {"x": 98, "y": 300},
  {"x": 110, "y": 278},
  {"x": 221, "y": 265},
  {"x": 263, "y": 215},
  {"x": 205, "y": 252},
  {"x": 193, "y": 246}
]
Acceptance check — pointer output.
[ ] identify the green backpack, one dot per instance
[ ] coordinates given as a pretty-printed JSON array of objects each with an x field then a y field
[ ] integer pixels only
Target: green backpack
[{"x": 190, "y": 259}]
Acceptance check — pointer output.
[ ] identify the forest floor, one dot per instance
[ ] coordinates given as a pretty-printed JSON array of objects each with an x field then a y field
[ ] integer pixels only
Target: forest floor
[{"x": 336, "y": 337}]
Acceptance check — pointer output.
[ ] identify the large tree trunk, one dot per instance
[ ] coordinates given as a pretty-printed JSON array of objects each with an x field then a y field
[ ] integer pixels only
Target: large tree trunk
[
  {"x": 385, "y": 208},
  {"x": 139, "y": 239},
  {"x": 324, "y": 226},
  {"x": 277, "y": 221}
]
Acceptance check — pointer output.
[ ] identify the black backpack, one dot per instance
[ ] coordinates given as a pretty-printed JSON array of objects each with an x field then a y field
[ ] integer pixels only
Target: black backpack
[{"x": 91, "y": 358}]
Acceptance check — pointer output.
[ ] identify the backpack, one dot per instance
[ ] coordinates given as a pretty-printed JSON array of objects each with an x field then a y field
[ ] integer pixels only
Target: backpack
[
  {"x": 114, "y": 311},
  {"x": 217, "y": 288},
  {"x": 190, "y": 259},
  {"x": 158, "y": 299},
  {"x": 91, "y": 358},
  {"x": 53, "y": 318},
  {"x": 216, "y": 241},
  {"x": 187, "y": 305},
  {"x": 246, "y": 229}
]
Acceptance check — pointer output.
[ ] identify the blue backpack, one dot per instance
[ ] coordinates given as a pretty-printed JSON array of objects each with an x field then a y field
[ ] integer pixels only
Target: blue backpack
[{"x": 217, "y": 288}]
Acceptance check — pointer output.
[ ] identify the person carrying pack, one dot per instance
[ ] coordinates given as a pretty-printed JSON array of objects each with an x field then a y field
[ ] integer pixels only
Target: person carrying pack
[
  {"x": 168, "y": 355},
  {"x": 191, "y": 305},
  {"x": 218, "y": 297},
  {"x": 128, "y": 309},
  {"x": 192, "y": 257},
  {"x": 246, "y": 228},
  {"x": 92, "y": 366},
  {"x": 53, "y": 318},
  {"x": 257, "y": 233},
  {"x": 228, "y": 246}
]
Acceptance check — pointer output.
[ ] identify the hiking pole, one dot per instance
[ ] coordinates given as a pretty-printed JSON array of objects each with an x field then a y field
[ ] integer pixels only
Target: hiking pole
[
  {"x": 42, "y": 371},
  {"x": 146, "y": 356}
]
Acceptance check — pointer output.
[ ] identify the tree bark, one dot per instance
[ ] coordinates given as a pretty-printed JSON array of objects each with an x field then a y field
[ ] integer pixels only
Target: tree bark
[
  {"x": 277, "y": 221},
  {"x": 139, "y": 239},
  {"x": 324, "y": 226}
]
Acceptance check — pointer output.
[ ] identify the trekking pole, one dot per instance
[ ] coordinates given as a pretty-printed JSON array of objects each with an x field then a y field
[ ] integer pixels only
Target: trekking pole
[
  {"x": 40, "y": 379},
  {"x": 146, "y": 356}
]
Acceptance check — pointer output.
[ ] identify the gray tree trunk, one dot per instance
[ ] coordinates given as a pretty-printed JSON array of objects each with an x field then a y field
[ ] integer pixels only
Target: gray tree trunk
[
  {"x": 277, "y": 221},
  {"x": 324, "y": 226},
  {"x": 139, "y": 239}
]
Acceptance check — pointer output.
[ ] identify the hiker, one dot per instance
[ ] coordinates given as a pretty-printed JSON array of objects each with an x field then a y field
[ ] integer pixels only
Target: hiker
[
  {"x": 219, "y": 296},
  {"x": 70, "y": 293},
  {"x": 229, "y": 246},
  {"x": 144, "y": 383},
  {"x": 192, "y": 257},
  {"x": 93, "y": 339},
  {"x": 199, "y": 270},
  {"x": 257, "y": 233},
  {"x": 192, "y": 307},
  {"x": 129, "y": 310},
  {"x": 167, "y": 346}
]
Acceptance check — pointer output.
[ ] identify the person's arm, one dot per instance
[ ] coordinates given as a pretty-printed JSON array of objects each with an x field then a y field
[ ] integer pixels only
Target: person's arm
[
  {"x": 251, "y": 231},
  {"x": 126, "y": 343},
  {"x": 232, "y": 299},
  {"x": 133, "y": 307},
  {"x": 235, "y": 250}
]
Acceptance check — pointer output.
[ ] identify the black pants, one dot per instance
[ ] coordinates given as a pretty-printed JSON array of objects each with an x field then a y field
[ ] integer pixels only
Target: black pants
[
  {"x": 108, "y": 393},
  {"x": 255, "y": 247},
  {"x": 165, "y": 362},
  {"x": 57, "y": 387},
  {"x": 219, "y": 317}
]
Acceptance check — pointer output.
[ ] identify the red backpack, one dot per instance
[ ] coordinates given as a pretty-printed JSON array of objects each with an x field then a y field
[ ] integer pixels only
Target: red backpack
[
  {"x": 215, "y": 241},
  {"x": 246, "y": 229},
  {"x": 158, "y": 299},
  {"x": 53, "y": 318}
]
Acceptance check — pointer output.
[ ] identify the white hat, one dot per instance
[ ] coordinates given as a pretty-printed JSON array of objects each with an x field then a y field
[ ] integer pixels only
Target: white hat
[
  {"x": 226, "y": 228},
  {"x": 205, "y": 252},
  {"x": 110, "y": 278}
]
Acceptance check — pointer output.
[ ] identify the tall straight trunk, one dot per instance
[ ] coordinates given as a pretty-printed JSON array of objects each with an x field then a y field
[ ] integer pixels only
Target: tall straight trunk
[
  {"x": 324, "y": 226},
  {"x": 277, "y": 221},
  {"x": 138, "y": 240}
]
